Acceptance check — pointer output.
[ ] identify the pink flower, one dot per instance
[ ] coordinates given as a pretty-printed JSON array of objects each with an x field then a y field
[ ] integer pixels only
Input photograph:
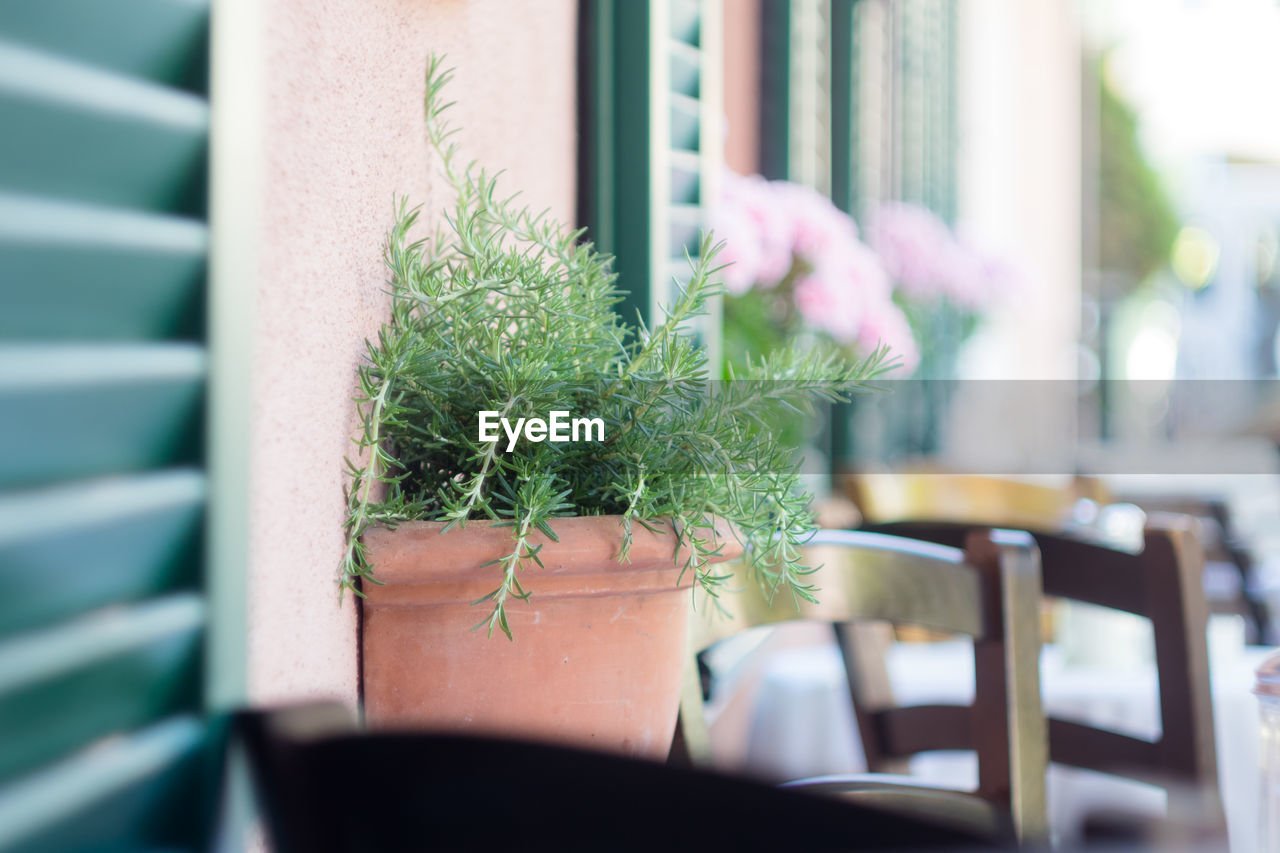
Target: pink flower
[
  {"x": 769, "y": 225},
  {"x": 818, "y": 226},
  {"x": 845, "y": 291},
  {"x": 886, "y": 324},
  {"x": 756, "y": 228},
  {"x": 835, "y": 295},
  {"x": 741, "y": 250},
  {"x": 980, "y": 279},
  {"x": 916, "y": 248},
  {"x": 827, "y": 305}
]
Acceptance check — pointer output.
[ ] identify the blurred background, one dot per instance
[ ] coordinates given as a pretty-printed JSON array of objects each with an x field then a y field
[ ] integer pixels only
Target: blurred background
[{"x": 1062, "y": 218}]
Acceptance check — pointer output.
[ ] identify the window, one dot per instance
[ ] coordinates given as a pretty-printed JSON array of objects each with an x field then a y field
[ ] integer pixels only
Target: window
[
  {"x": 650, "y": 137},
  {"x": 894, "y": 130}
]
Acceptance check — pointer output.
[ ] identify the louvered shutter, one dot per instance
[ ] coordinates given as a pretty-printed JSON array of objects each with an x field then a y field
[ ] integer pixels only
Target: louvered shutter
[
  {"x": 652, "y": 145},
  {"x": 894, "y": 127},
  {"x": 894, "y": 137},
  {"x": 795, "y": 128},
  {"x": 104, "y": 127},
  {"x": 926, "y": 80}
]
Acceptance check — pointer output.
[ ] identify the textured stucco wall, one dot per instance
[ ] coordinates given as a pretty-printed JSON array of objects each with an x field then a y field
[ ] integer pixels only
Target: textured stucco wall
[{"x": 343, "y": 132}]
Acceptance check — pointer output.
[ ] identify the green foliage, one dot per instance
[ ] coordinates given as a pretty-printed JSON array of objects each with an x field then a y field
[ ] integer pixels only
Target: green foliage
[
  {"x": 940, "y": 328},
  {"x": 1138, "y": 222},
  {"x": 754, "y": 325},
  {"x": 764, "y": 322},
  {"x": 504, "y": 309}
]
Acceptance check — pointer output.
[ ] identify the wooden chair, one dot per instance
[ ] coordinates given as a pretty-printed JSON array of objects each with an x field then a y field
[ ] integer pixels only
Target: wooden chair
[
  {"x": 1224, "y": 551},
  {"x": 990, "y": 592},
  {"x": 1161, "y": 583}
]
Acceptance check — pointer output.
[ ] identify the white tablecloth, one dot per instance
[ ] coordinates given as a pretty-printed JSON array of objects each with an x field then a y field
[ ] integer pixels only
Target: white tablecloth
[{"x": 803, "y": 724}]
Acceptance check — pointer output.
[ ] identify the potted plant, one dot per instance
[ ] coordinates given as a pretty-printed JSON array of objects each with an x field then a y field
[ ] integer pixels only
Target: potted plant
[{"x": 531, "y": 463}]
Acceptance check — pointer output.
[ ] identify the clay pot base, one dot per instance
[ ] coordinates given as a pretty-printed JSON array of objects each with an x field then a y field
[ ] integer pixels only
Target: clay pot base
[{"x": 598, "y": 648}]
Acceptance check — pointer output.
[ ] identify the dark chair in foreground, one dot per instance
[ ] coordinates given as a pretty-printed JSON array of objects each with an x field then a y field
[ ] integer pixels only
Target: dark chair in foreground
[
  {"x": 990, "y": 592},
  {"x": 1163, "y": 584},
  {"x": 325, "y": 788}
]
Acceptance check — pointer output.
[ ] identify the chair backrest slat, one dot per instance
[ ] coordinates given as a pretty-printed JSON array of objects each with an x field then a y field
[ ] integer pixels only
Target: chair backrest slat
[
  {"x": 1090, "y": 748},
  {"x": 1078, "y": 570},
  {"x": 1020, "y": 590},
  {"x": 1173, "y": 564},
  {"x": 992, "y": 501},
  {"x": 908, "y": 730},
  {"x": 865, "y": 577}
]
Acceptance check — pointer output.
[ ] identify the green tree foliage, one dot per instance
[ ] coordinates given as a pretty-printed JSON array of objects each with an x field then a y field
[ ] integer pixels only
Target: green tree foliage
[
  {"x": 1138, "y": 222},
  {"x": 503, "y": 309}
]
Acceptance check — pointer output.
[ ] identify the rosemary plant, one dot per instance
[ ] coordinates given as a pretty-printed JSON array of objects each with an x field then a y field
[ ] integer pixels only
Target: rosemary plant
[{"x": 503, "y": 309}]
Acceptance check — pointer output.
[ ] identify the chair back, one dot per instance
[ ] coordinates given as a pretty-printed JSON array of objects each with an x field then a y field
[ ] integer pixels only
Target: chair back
[
  {"x": 1226, "y": 553},
  {"x": 1163, "y": 584},
  {"x": 988, "y": 591},
  {"x": 994, "y": 501}
]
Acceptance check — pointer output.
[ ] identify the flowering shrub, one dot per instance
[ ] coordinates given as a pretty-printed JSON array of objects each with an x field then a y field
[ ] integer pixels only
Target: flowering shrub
[
  {"x": 928, "y": 262},
  {"x": 916, "y": 248},
  {"x": 943, "y": 283},
  {"x": 799, "y": 269}
]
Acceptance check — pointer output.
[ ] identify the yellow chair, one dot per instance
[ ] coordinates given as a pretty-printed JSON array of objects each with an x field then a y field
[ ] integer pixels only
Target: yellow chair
[{"x": 994, "y": 501}]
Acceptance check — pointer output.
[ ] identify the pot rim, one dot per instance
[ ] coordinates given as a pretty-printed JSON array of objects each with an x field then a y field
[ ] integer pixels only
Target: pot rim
[{"x": 586, "y": 557}]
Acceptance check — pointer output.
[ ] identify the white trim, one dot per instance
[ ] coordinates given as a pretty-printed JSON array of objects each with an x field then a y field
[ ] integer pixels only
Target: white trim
[
  {"x": 659, "y": 158},
  {"x": 711, "y": 149},
  {"x": 235, "y": 211}
]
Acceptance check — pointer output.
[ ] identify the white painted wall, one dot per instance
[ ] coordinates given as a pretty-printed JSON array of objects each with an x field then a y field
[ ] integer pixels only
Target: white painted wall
[{"x": 1020, "y": 175}]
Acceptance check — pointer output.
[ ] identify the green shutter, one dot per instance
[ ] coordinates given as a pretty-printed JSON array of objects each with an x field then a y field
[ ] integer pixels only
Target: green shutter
[
  {"x": 776, "y": 45},
  {"x": 651, "y": 136},
  {"x": 893, "y": 91},
  {"x": 812, "y": 111},
  {"x": 795, "y": 109},
  {"x": 845, "y": 107},
  {"x": 859, "y": 100},
  {"x": 103, "y": 362},
  {"x": 926, "y": 94},
  {"x": 893, "y": 137}
]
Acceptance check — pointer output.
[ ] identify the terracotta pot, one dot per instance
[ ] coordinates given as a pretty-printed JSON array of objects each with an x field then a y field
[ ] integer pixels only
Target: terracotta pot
[{"x": 597, "y": 654}]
